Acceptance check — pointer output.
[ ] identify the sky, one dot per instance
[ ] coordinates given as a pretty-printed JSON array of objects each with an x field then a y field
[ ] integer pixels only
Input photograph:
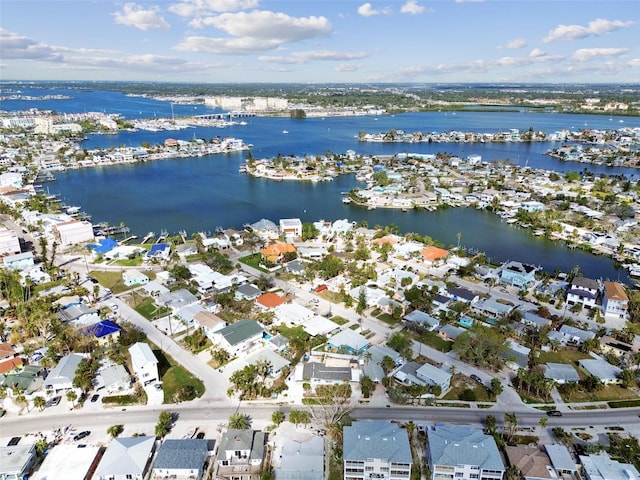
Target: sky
[{"x": 321, "y": 41}]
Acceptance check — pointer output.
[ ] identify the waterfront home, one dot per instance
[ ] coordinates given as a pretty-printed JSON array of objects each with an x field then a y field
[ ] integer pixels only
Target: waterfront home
[
  {"x": 126, "y": 458},
  {"x": 72, "y": 233},
  {"x": 9, "y": 242},
  {"x": 291, "y": 227},
  {"x": 600, "y": 466},
  {"x": 302, "y": 460},
  {"x": 159, "y": 251},
  {"x": 239, "y": 337},
  {"x": 61, "y": 376},
  {"x": 615, "y": 301},
  {"x": 601, "y": 369},
  {"x": 241, "y": 454},
  {"x": 133, "y": 277},
  {"x": 180, "y": 459},
  {"x": 265, "y": 229},
  {"x": 432, "y": 254},
  {"x": 561, "y": 373},
  {"x": 144, "y": 363},
  {"x": 583, "y": 291},
  {"x": 376, "y": 449},
  {"x": 463, "y": 453},
  {"x": 517, "y": 274}
]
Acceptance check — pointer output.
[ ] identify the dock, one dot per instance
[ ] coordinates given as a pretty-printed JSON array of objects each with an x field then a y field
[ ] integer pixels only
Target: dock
[{"x": 148, "y": 237}]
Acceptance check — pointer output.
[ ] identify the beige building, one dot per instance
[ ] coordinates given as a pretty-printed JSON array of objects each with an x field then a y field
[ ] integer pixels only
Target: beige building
[
  {"x": 72, "y": 233},
  {"x": 9, "y": 242}
]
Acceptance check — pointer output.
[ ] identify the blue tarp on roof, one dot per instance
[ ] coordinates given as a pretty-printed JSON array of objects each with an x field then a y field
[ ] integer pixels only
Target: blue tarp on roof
[
  {"x": 102, "y": 329},
  {"x": 105, "y": 245},
  {"x": 157, "y": 248}
]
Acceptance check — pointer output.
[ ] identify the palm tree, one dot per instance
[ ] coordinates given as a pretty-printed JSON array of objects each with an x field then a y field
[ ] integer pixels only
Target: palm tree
[
  {"x": 240, "y": 421},
  {"x": 115, "y": 430},
  {"x": 491, "y": 423},
  {"x": 511, "y": 422},
  {"x": 72, "y": 396},
  {"x": 277, "y": 417},
  {"x": 543, "y": 423},
  {"x": 39, "y": 402}
]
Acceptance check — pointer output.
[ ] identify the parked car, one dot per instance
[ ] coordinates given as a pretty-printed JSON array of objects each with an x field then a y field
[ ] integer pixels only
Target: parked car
[
  {"x": 476, "y": 378},
  {"x": 14, "y": 441},
  {"x": 95, "y": 398},
  {"x": 82, "y": 435},
  {"x": 554, "y": 413},
  {"x": 53, "y": 401}
]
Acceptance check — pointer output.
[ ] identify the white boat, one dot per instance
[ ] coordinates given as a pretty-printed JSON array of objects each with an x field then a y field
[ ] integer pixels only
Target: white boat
[
  {"x": 346, "y": 200},
  {"x": 190, "y": 433},
  {"x": 285, "y": 131}
]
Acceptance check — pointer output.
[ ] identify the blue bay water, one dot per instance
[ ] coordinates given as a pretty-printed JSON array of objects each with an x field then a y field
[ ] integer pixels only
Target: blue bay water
[{"x": 200, "y": 194}]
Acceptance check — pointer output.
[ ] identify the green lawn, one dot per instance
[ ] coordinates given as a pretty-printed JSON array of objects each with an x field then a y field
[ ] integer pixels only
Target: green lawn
[
  {"x": 176, "y": 378},
  {"x": 562, "y": 356},
  {"x": 111, "y": 280},
  {"x": 433, "y": 340},
  {"x": 253, "y": 261},
  {"x": 145, "y": 307},
  {"x": 608, "y": 393}
]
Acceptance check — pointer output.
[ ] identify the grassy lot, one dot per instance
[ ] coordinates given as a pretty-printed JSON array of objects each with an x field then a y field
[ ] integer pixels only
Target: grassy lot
[
  {"x": 149, "y": 310},
  {"x": 176, "y": 378},
  {"x": 624, "y": 404},
  {"x": 562, "y": 356},
  {"x": 608, "y": 393},
  {"x": 433, "y": 340},
  {"x": 339, "y": 320},
  {"x": 388, "y": 319},
  {"x": 111, "y": 280},
  {"x": 461, "y": 383},
  {"x": 253, "y": 261}
]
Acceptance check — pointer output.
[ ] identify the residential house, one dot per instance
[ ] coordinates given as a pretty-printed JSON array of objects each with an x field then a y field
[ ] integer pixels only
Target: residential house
[
  {"x": 371, "y": 293},
  {"x": 532, "y": 461},
  {"x": 427, "y": 375},
  {"x": 349, "y": 341},
  {"x": 376, "y": 449},
  {"x": 600, "y": 466},
  {"x": 19, "y": 261},
  {"x": 418, "y": 317},
  {"x": 292, "y": 314},
  {"x": 601, "y": 369},
  {"x": 180, "y": 459},
  {"x": 105, "y": 332},
  {"x": 241, "y": 455},
  {"x": 8, "y": 358},
  {"x": 319, "y": 371},
  {"x": 517, "y": 274},
  {"x": 265, "y": 229},
  {"x": 159, "y": 251},
  {"x": 28, "y": 380},
  {"x": 432, "y": 254},
  {"x": 114, "y": 379},
  {"x": 79, "y": 314},
  {"x": 277, "y": 253},
  {"x": 616, "y": 347},
  {"x": 9, "y": 242},
  {"x": 126, "y": 458},
  {"x": 270, "y": 300},
  {"x": 61, "y": 376},
  {"x": 575, "y": 335},
  {"x": 463, "y": 453},
  {"x": 583, "y": 291},
  {"x": 291, "y": 227},
  {"x": 450, "y": 332},
  {"x": 561, "y": 460},
  {"x": 239, "y": 337},
  {"x": 460, "y": 294},
  {"x": 302, "y": 460},
  {"x": 134, "y": 277},
  {"x": 144, "y": 363},
  {"x": 17, "y": 461},
  {"x": 209, "y": 323},
  {"x": 516, "y": 356},
  {"x": 615, "y": 301},
  {"x": 492, "y": 308},
  {"x": 561, "y": 373},
  {"x": 247, "y": 292},
  {"x": 275, "y": 362},
  {"x": 177, "y": 299},
  {"x": 534, "y": 320},
  {"x": 70, "y": 462}
]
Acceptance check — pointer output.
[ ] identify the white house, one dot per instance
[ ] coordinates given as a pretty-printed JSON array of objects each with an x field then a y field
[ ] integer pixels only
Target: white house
[
  {"x": 134, "y": 277},
  {"x": 9, "y": 242},
  {"x": 144, "y": 362},
  {"x": 61, "y": 376},
  {"x": 291, "y": 227},
  {"x": 73, "y": 232},
  {"x": 615, "y": 301},
  {"x": 127, "y": 458}
]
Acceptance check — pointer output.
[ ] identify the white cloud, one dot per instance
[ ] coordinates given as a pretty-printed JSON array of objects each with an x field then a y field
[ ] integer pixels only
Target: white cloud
[
  {"x": 635, "y": 62},
  {"x": 133, "y": 15},
  {"x": 20, "y": 47},
  {"x": 270, "y": 26},
  {"x": 469, "y": 1},
  {"x": 596, "y": 27},
  {"x": 412, "y": 8},
  {"x": 367, "y": 10},
  {"x": 194, "y": 8},
  {"x": 512, "y": 61},
  {"x": 587, "y": 54},
  {"x": 226, "y": 46},
  {"x": 305, "y": 57},
  {"x": 516, "y": 43},
  {"x": 347, "y": 67},
  {"x": 536, "y": 52}
]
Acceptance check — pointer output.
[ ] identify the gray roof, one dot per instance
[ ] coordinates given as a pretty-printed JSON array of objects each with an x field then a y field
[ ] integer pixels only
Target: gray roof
[
  {"x": 115, "y": 374},
  {"x": 251, "y": 440},
  {"x": 600, "y": 368},
  {"x": 177, "y": 298},
  {"x": 560, "y": 457},
  {"x": 454, "y": 445},
  {"x": 561, "y": 371},
  {"x": 75, "y": 311},
  {"x": 376, "y": 439},
  {"x": 601, "y": 467},
  {"x": 240, "y": 331},
  {"x": 302, "y": 460},
  {"x": 127, "y": 455},
  {"x": 348, "y": 338},
  {"x": 65, "y": 370},
  {"x": 435, "y": 375},
  {"x": 248, "y": 290},
  {"x": 264, "y": 225},
  {"x": 378, "y": 352},
  {"x": 586, "y": 283},
  {"x": 452, "y": 331},
  {"x": 188, "y": 454},
  {"x": 320, "y": 371},
  {"x": 577, "y": 332},
  {"x": 418, "y": 316},
  {"x": 492, "y": 307},
  {"x": 374, "y": 371}
]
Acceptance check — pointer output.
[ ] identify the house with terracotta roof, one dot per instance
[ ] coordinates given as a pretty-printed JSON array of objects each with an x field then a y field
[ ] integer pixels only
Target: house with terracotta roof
[
  {"x": 615, "y": 301},
  {"x": 276, "y": 253},
  {"x": 433, "y": 254},
  {"x": 8, "y": 359},
  {"x": 270, "y": 300}
]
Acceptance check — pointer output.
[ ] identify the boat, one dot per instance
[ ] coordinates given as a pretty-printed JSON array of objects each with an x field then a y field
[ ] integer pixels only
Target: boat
[
  {"x": 346, "y": 200},
  {"x": 285, "y": 131},
  {"x": 190, "y": 434}
]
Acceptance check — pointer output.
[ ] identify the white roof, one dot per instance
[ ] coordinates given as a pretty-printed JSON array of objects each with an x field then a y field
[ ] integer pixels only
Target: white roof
[
  {"x": 68, "y": 462},
  {"x": 123, "y": 456},
  {"x": 293, "y": 313},
  {"x": 318, "y": 325},
  {"x": 141, "y": 355}
]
